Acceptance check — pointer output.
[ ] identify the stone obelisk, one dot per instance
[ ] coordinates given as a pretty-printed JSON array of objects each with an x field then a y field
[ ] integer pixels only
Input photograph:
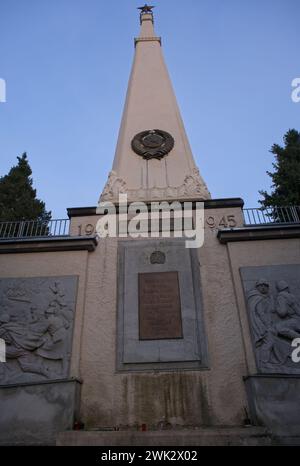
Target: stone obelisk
[{"x": 153, "y": 159}]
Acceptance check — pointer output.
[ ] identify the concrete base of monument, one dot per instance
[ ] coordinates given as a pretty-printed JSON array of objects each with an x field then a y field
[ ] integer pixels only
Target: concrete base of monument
[
  {"x": 274, "y": 403},
  {"x": 33, "y": 413},
  {"x": 206, "y": 436}
]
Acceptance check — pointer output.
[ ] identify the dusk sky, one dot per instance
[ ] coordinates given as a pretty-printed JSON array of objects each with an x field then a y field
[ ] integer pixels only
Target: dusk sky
[{"x": 66, "y": 64}]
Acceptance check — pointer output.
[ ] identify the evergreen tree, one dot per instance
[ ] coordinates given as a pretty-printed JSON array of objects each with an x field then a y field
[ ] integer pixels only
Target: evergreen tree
[
  {"x": 18, "y": 199},
  {"x": 286, "y": 174}
]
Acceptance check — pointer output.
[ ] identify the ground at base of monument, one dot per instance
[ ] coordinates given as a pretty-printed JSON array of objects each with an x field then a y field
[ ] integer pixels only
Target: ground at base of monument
[{"x": 208, "y": 436}]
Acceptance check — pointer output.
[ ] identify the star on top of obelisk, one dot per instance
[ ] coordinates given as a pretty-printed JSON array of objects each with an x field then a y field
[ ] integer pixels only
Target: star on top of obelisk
[{"x": 146, "y": 8}]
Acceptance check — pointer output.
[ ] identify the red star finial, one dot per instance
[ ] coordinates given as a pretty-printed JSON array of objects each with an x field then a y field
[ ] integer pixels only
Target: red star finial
[{"x": 146, "y": 8}]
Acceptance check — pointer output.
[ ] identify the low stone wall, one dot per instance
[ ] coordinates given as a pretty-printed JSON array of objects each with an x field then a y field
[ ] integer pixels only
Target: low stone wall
[
  {"x": 274, "y": 403},
  {"x": 33, "y": 413}
]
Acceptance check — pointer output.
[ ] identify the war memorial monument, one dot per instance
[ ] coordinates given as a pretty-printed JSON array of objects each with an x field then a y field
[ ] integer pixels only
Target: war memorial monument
[{"x": 139, "y": 339}]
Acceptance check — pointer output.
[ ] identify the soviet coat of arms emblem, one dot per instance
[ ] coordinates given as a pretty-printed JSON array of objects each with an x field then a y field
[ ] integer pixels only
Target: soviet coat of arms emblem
[{"x": 152, "y": 144}]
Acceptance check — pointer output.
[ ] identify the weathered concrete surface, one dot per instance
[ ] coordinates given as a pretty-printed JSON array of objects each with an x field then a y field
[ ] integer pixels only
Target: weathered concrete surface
[
  {"x": 274, "y": 403},
  {"x": 32, "y": 414},
  {"x": 211, "y": 397},
  {"x": 184, "y": 397},
  {"x": 244, "y": 436}
]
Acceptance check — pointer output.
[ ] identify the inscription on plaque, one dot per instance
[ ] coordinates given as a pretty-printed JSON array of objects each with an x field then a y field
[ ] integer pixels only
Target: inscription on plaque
[{"x": 159, "y": 306}]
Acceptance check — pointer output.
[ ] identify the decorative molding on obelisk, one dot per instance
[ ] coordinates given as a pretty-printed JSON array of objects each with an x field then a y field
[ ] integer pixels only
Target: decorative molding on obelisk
[
  {"x": 146, "y": 39},
  {"x": 193, "y": 187},
  {"x": 152, "y": 164}
]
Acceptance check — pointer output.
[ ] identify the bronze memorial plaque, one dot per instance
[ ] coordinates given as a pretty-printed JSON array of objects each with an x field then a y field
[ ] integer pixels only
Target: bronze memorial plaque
[{"x": 159, "y": 306}]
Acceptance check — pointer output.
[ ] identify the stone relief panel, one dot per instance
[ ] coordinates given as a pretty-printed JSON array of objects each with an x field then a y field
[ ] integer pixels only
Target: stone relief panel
[
  {"x": 272, "y": 294},
  {"x": 36, "y": 323}
]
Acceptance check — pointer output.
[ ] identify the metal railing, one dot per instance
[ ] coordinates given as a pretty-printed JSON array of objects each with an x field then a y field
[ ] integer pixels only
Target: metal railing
[
  {"x": 34, "y": 229},
  {"x": 61, "y": 227},
  {"x": 271, "y": 215}
]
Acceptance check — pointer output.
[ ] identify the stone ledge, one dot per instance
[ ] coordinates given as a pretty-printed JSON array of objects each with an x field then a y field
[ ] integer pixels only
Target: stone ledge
[
  {"x": 224, "y": 203},
  {"x": 212, "y": 436},
  {"x": 208, "y": 204},
  {"x": 271, "y": 376},
  {"x": 41, "y": 382},
  {"x": 81, "y": 211},
  {"x": 67, "y": 243},
  {"x": 228, "y": 235}
]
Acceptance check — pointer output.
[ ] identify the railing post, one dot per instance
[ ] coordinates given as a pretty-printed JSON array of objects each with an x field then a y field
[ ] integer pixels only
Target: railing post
[{"x": 21, "y": 229}]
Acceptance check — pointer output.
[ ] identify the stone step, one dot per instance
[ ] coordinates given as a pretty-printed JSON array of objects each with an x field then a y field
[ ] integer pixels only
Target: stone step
[{"x": 208, "y": 436}]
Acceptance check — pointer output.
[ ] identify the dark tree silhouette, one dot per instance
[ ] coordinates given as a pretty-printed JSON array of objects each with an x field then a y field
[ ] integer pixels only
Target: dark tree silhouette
[
  {"x": 285, "y": 177},
  {"x": 18, "y": 199}
]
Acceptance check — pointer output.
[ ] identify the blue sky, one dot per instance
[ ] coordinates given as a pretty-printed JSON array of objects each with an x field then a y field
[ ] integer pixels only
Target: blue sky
[{"x": 66, "y": 64}]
